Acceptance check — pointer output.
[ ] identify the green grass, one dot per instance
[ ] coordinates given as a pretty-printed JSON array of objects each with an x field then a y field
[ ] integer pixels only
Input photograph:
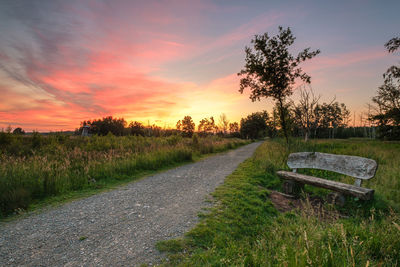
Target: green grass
[
  {"x": 57, "y": 168},
  {"x": 37, "y": 205},
  {"x": 244, "y": 229}
]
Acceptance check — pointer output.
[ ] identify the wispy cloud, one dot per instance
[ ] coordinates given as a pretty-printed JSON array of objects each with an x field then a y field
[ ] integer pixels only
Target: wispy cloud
[
  {"x": 85, "y": 62},
  {"x": 345, "y": 59},
  {"x": 65, "y": 61}
]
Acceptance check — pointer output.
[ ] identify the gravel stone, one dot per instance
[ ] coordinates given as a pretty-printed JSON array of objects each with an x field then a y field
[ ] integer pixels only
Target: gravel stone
[{"x": 122, "y": 226}]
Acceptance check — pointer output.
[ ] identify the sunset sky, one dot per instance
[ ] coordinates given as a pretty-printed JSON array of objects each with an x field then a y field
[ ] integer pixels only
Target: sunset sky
[{"x": 62, "y": 62}]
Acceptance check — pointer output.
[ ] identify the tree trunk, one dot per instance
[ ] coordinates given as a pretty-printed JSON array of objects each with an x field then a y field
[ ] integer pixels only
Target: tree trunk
[{"x": 283, "y": 121}]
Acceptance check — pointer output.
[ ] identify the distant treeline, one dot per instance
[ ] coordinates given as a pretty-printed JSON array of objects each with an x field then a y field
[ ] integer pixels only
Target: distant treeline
[
  {"x": 328, "y": 121},
  {"x": 331, "y": 123},
  {"x": 120, "y": 127}
]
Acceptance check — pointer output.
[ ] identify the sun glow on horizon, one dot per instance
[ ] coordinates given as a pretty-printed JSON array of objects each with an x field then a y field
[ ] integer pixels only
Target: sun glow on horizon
[{"x": 155, "y": 62}]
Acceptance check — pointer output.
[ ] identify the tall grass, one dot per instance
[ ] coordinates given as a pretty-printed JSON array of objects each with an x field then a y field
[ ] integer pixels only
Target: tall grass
[
  {"x": 34, "y": 168},
  {"x": 244, "y": 229},
  {"x": 273, "y": 155}
]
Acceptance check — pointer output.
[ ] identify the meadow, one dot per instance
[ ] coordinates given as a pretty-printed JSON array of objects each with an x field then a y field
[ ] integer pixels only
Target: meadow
[
  {"x": 244, "y": 228},
  {"x": 36, "y": 168}
]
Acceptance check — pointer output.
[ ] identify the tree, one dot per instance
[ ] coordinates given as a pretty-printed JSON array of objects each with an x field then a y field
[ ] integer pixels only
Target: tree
[
  {"x": 179, "y": 125},
  {"x": 201, "y": 128},
  {"x": 271, "y": 70},
  {"x": 188, "y": 126},
  {"x": 136, "y": 128},
  {"x": 392, "y": 75},
  {"x": 387, "y": 100},
  {"x": 254, "y": 125},
  {"x": 223, "y": 123},
  {"x": 330, "y": 116},
  {"x": 234, "y": 127},
  {"x": 234, "y": 130},
  {"x": 153, "y": 130},
  {"x": 278, "y": 112},
  {"x": 105, "y": 125},
  {"x": 18, "y": 131},
  {"x": 304, "y": 114},
  {"x": 393, "y": 44},
  {"x": 207, "y": 126}
]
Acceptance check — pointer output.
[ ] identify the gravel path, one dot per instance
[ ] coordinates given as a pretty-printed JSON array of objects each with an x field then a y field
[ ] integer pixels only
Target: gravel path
[{"x": 119, "y": 227}]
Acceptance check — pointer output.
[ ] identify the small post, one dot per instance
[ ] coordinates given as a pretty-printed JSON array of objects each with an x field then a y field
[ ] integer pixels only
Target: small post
[
  {"x": 358, "y": 182},
  {"x": 85, "y": 130},
  {"x": 336, "y": 198}
]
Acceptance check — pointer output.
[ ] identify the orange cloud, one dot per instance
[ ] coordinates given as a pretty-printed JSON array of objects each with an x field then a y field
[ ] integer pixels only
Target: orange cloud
[
  {"x": 152, "y": 100},
  {"x": 95, "y": 64}
]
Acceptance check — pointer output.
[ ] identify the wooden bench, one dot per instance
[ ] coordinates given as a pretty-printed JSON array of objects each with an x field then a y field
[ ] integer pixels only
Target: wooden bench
[{"x": 357, "y": 167}]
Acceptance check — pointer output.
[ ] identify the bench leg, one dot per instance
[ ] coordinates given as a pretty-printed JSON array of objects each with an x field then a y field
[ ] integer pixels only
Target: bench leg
[
  {"x": 336, "y": 199},
  {"x": 292, "y": 188}
]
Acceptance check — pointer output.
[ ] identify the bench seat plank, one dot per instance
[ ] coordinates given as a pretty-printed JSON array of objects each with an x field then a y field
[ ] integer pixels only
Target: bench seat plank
[
  {"x": 361, "y": 168},
  {"x": 360, "y": 192}
]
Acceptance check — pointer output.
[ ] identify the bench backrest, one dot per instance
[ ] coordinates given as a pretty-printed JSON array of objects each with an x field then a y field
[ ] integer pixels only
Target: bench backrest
[{"x": 358, "y": 167}]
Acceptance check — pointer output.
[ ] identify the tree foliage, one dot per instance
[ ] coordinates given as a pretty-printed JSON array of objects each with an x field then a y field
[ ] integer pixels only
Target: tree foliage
[
  {"x": 318, "y": 120},
  {"x": 207, "y": 126},
  {"x": 18, "y": 130},
  {"x": 233, "y": 127},
  {"x": 387, "y": 99},
  {"x": 223, "y": 123},
  {"x": 271, "y": 70},
  {"x": 179, "y": 125},
  {"x": 304, "y": 112},
  {"x": 188, "y": 126},
  {"x": 106, "y": 125},
  {"x": 283, "y": 113},
  {"x": 254, "y": 125},
  {"x": 393, "y": 44},
  {"x": 136, "y": 128},
  {"x": 331, "y": 115}
]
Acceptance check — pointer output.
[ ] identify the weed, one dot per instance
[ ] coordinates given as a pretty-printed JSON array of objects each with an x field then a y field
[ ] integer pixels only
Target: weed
[{"x": 174, "y": 245}]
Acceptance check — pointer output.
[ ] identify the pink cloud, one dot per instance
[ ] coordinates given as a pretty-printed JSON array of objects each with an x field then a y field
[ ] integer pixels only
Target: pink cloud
[
  {"x": 101, "y": 64},
  {"x": 258, "y": 25}
]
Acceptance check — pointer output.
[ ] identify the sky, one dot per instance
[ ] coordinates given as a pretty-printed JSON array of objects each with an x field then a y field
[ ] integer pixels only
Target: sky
[{"x": 62, "y": 62}]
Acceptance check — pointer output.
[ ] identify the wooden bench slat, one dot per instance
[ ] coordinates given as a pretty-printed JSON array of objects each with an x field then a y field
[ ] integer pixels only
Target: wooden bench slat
[
  {"x": 360, "y": 192},
  {"x": 358, "y": 167}
]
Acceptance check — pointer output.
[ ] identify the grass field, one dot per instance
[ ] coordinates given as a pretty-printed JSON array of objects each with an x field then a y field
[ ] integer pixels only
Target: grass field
[
  {"x": 36, "y": 168},
  {"x": 245, "y": 229}
]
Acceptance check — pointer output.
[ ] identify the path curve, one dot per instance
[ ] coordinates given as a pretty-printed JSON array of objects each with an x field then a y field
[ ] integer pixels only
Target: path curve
[{"x": 120, "y": 227}]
